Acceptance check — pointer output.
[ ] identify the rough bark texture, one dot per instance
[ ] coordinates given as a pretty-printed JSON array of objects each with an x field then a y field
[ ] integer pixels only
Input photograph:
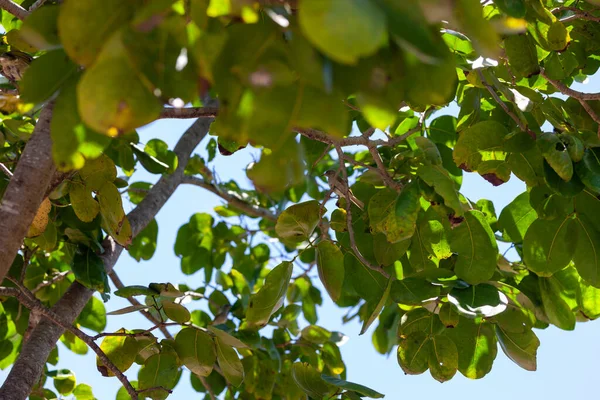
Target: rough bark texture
[
  {"x": 25, "y": 191},
  {"x": 28, "y": 367}
]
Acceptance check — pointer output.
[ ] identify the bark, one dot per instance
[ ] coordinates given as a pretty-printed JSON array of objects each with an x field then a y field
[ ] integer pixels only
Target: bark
[
  {"x": 26, "y": 190},
  {"x": 28, "y": 367}
]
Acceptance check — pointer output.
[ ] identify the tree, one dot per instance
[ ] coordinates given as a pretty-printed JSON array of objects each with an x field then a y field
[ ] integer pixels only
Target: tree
[{"x": 351, "y": 87}]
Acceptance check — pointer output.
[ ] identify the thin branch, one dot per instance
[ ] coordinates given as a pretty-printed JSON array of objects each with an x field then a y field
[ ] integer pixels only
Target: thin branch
[
  {"x": 14, "y": 9},
  {"x": 56, "y": 278},
  {"x": 564, "y": 89},
  {"x": 5, "y": 170},
  {"x": 231, "y": 198},
  {"x": 383, "y": 170},
  {"x": 207, "y": 386},
  {"x": 188, "y": 113},
  {"x": 133, "y": 301},
  {"x": 350, "y": 228},
  {"x": 577, "y": 14},
  {"x": 502, "y": 104},
  {"x": 582, "y": 98},
  {"x": 36, "y": 5}
]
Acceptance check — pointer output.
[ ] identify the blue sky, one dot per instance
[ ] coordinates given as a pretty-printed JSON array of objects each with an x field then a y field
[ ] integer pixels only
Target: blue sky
[{"x": 567, "y": 361}]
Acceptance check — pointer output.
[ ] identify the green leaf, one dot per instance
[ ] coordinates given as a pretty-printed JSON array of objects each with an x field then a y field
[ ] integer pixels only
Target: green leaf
[
  {"x": 557, "y": 310},
  {"x": 514, "y": 8},
  {"x": 413, "y": 291},
  {"x": 519, "y": 347},
  {"x": 556, "y": 154},
  {"x": 345, "y": 31},
  {"x": 98, "y": 171},
  {"x": 413, "y": 353},
  {"x": 45, "y": 76},
  {"x": 196, "y": 350},
  {"x": 83, "y": 392},
  {"x": 549, "y": 245},
  {"x": 376, "y": 307},
  {"x": 476, "y": 344},
  {"x": 310, "y": 381},
  {"x": 442, "y": 130},
  {"x": 85, "y": 206},
  {"x": 159, "y": 370},
  {"x": 73, "y": 142},
  {"x": 143, "y": 245},
  {"x": 479, "y": 300},
  {"x": 410, "y": 30},
  {"x": 522, "y": 55},
  {"x": 443, "y": 358},
  {"x": 93, "y": 315},
  {"x": 354, "y": 387},
  {"x": 114, "y": 220},
  {"x": 226, "y": 338},
  {"x": 516, "y": 218},
  {"x": 270, "y": 296},
  {"x": 431, "y": 84},
  {"x": 369, "y": 284},
  {"x": 112, "y": 98},
  {"x": 64, "y": 381},
  {"x": 120, "y": 350},
  {"x": 94, "y": 21},
  {"x": 298, "y": 222},
  {"x": 135, "y": 290},
  {"x": 481, "y": 142},
  {"x": 588, "y": 169},
  {"x": 129, "y": 309},
  {"x": 587, "y": 252},
  {"x": 315, "y": 334},
  {"x": 448, "y": 315},
  {"x": 40, "y": 28},
  {"x": 230, "y": 364},
  {"x": 89, "y": 270},
  {"x": 469, "y": 15},
  {"x": 437, "y": 177},
  {"x": 149, "y": 162},
  {"x": 176, "y": 312},
  {"x": 330, "y": 263},
  {"x": 475, "y": 244}
]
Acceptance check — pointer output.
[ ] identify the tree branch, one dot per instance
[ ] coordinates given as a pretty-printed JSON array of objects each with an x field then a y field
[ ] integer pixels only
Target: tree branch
[
  {"x": 582, "y": 98},
  {"x": 28, "y": 367},
  {"x": 231, "y": 198},
  {"x": 564, "y": 89},
  {"x": 191, "y": 112},
  {"x": 25, "y": 190},
  {"x": 349, "y": 226},
  {"x": 14, "y": 9},
  {"x": 36, "y": 5}
]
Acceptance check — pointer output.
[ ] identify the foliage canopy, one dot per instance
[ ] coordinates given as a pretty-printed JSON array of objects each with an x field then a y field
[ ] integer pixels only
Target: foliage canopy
[{"x": 350, "y": 86}]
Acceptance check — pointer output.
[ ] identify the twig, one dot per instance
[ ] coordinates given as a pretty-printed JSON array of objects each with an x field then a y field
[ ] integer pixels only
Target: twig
[
  {"x": 392, "y": 184},
  {"x": 582, "y": 98},
  {"x": 5, "y": 170},
  {"x": 36, "y": 5},
  {"x": 207, "y": 386},
  {"x": 191, "y": 112},
  {"x": 564, "y": 89},
  {"x": 58, "y": 277},
  {"x": 133, "y": 301},
  {"x": 350, "y": 228},
  {"x": 230, "y": 198},
  {"x": 501, "y": 103},
  {"x": 14, "y": 9},
  {"x": 577, "y": 14}
]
